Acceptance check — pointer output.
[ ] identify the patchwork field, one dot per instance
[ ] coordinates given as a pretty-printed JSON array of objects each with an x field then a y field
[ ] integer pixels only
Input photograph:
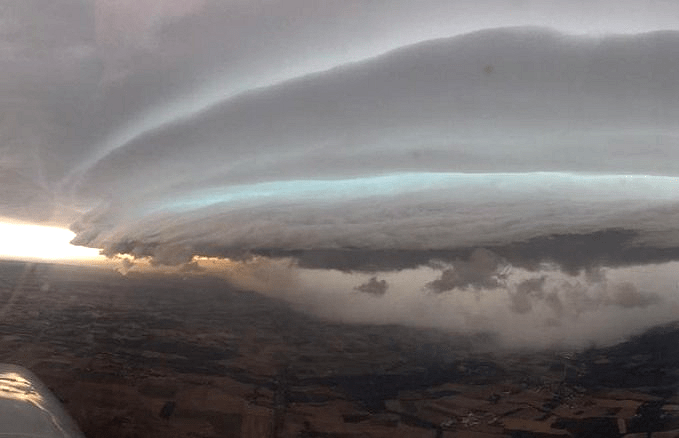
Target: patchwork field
[{"x": 161, "y": 356}]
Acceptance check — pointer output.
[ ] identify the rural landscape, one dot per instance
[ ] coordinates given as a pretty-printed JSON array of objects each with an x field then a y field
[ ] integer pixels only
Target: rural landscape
[{"x": 190, "y": 356}]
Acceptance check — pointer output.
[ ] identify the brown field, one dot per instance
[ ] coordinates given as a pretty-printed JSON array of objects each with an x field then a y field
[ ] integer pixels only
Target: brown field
[{"x": 166, "y": 356}]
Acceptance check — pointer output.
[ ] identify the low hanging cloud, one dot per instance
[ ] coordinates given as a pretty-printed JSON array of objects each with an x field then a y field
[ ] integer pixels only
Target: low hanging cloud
[
  {"x": 373, "y": 287},
  {"x": 566, "y": 297},
  {"x": 527, "y": 291},
  {"x": 483, "y": 270},
  {"x": 126, "y": 265},
  {"x": 554, "y": 309},
  {"x": 628, "y": 296}
]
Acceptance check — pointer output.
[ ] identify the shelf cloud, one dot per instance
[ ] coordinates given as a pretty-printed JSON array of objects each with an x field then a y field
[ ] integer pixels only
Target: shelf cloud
[
  {"x": 423, "y": 148},
  {"x": 367, "y": 139}
]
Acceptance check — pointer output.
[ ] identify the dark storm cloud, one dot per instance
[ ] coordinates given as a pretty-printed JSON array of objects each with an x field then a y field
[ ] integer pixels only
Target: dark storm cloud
[
  {"x": 373, "y": 287},
  {"x": 483, "y": 270},
  {"x": 572, "y": 253},
  {"x": 577, "y": 252},
  {"x": 152, "y": 127}
]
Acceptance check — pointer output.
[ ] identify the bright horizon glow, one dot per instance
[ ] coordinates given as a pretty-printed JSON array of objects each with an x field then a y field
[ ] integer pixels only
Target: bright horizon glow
[{"x": 38, "y": 242}]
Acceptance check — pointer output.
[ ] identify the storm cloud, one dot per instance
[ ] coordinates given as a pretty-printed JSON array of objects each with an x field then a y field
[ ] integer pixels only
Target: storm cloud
[
  {"x": 475, "y": 139},
  {"x": 483, "y": 270},
  {"x": 170, "y": 129},
  {"x": 374, "y": 287},
  {"x": 422, "y": 148}
]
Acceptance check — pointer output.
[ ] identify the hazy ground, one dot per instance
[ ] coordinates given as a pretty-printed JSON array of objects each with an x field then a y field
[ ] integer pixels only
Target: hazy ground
[{"x": 166, "y": 356}]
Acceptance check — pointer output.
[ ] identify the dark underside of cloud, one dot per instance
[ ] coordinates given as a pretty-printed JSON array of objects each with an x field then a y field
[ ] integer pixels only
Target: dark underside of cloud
[
  {"x": 373, "y": 287},
  {"x": 572, "y": 253}
]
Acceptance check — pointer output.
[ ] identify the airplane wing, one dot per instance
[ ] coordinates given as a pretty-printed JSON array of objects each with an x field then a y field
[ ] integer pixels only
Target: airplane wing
[{"x": 29, "y": 410}]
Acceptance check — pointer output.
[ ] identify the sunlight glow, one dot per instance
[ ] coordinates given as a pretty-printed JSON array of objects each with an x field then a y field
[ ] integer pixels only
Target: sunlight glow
[{"x": 37, "y": 242}]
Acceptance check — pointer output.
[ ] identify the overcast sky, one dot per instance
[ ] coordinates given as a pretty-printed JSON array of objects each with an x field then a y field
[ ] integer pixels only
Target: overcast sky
[{"x": 465, "y": 138}]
